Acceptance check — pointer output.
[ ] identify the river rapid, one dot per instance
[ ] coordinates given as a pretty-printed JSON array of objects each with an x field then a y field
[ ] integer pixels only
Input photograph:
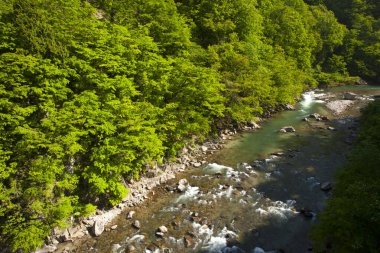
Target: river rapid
[{"x": 260, "y": 193}]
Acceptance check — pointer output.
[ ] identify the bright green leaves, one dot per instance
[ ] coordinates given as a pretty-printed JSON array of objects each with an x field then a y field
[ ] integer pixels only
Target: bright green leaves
[
  {"x": 361, "y": 47},
  {"x": 93, "y": 91}
]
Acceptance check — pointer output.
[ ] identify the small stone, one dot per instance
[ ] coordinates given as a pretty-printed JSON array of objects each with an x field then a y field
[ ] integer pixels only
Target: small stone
[
  {"x": 114, "y": 227},
  {"x": 197, "y": 165},
  {"x": 258, "y": 250},
  {"x": 326, "y": 186},
  {"x": 350, "y": 96},
  {"x": 115, "y": 247},
  {"x": 159, "y": 234},
  {"x": 98, "y": 227},
  {"x": 188, "y": 241},
  {"x": 130, "y": 249},
  {"x": 50, "y": 248},
  {"x": 307, "y": 213},
  {"x": 287, "y": 129},
  {"x": 315, "y": 116},
  {"x": 162, "y": 229},
  {"x": 130, "y": 214},
  {"x": 181, "y": 188},
  {"x": 331, "y": 128},
  {"x": 136, "y": 224}
]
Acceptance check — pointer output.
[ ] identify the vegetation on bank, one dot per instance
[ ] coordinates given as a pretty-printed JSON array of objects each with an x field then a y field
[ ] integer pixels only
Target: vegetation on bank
[
  {"x": 92, "y": 92},
  {"x": 351, "y": 219}
]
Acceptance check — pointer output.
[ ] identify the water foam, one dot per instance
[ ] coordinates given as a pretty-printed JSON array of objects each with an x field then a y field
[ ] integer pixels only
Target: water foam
[
  {"x": 213, "y": 168},
  {"x": 190, "y": 193},
  {"x": 216, "y": 243}
]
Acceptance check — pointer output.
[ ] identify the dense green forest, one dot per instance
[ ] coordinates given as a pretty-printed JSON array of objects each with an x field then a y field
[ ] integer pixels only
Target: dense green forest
[
  {"x": 351, "y": 221},
  {"x": 92, "y": 92}
]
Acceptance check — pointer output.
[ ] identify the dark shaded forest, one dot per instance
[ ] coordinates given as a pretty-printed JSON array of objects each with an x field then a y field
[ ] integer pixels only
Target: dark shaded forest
[
  {"x": 93, "y": 92},
  {"x": 352, "y": 217}
]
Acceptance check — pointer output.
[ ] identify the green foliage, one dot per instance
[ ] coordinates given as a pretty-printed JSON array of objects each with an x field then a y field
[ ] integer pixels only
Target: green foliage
[
  {"x": 91, "y": 92},
  {"x": 351, "y": 219},
  {"x": 362, "y": 43}
]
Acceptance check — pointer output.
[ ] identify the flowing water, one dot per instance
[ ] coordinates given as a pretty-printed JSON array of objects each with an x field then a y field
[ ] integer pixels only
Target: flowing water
[{"x": 246, "y": 197}]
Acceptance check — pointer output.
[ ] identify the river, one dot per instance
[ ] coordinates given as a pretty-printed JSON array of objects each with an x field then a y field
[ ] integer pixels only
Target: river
[{"x": 261, "y": 191}]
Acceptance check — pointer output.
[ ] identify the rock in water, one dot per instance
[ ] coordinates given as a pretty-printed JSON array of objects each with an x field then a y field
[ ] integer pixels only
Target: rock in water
[
  {"x": 182, "y": 185},
  {"x": 130, "y": 249},
  {"x": 130, "y": 214},
  {"x": 136, "y": 224},
  {"x": 162, "y": 229},
  {"x": 349, "y": 96},
  {"x": 287, "y": 129},
  {"x": 258, "y": 250},
  {"x": 98, "y": 227},
  {"x": 326, "y": 186}
]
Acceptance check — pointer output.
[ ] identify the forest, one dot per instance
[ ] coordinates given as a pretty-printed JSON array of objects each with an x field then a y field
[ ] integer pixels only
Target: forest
[{"x": 94, "y": 92}]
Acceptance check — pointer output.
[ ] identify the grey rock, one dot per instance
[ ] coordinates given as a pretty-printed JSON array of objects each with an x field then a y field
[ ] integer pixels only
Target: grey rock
[
  {"x": 350, "y": 96},
  {"x": 115, "y": 247},
  {"x": 196, "y": 165},
  {"x": 130, "y": 249},
  {"x": 162, "y": 229},
  {"x": 182, "y": 185},
  {"x": 315, "y": 116},
  {"x": 98, "y": 227},
  {"x": 326, "y": 186},
  {"x": 130, "y": 214},
  {"x": 331, "y": 128},
  {"x": 204, "y": 148},
  {"x": 287, "y": 129},
  {"x": 181, "y": 188},
  {"x": 258, "y": 250},
  {"x": 136, "y": 224},
  {"x": 290, "y": 107},
  {"x": 159, "y": 234}
]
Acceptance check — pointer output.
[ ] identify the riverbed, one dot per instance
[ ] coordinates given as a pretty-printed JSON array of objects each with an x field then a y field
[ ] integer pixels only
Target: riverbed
[{"x": 262, "y": 191}]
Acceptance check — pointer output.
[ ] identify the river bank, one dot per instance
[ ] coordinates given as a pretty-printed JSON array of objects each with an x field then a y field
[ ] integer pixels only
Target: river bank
[{"x": 144, "y": 189}]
